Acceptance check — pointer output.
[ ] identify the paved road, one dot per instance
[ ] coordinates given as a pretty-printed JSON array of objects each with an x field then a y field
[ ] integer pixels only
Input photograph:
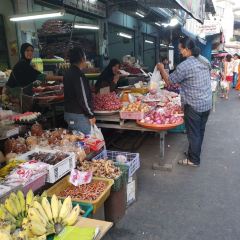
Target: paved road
[{"x": 190, "y": 203}]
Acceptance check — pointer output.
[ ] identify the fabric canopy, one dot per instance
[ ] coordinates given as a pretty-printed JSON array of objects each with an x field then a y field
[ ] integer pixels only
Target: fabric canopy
[{"x": 195, "y": 8}]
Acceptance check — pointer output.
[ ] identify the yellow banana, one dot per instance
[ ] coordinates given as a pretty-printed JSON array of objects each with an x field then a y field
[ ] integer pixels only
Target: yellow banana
[
  {"x": 10, "y": 206},
  {"x": 66, "y": 208},
  {"x": 35, "y": 216},
  {"x": 72, "y": 217},
  {"x": 40, "y": 209},
  {"x": 28, "y": 231},
  {"x": 22, "y": 201},
  {"x": 5, "y": 215},
  {"x": 59, "y": 209},
  {"x": 44, "y": 194},
  {"x": 47, "y": 208},
  {"x": 4, "y": 235},
  {"x": 54, "y": 206},
  {"x": 37, "y": 229},
  {"x": 43, "y": 237},
  {"x": 14, "y": 198},
  {"x": 29, "y": 199}
]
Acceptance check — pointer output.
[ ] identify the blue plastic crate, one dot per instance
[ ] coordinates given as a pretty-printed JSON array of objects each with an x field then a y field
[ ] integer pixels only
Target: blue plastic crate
[
  {"x": 179, "y": 129},
  {"x": 133, "y": 160}
]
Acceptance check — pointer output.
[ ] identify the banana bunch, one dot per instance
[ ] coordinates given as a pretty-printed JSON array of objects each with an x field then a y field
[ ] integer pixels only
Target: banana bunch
[
  {"x": 49, "y": 217},
  {"x": 4, "y": 171},
  {"x": 37, "y": 216}
]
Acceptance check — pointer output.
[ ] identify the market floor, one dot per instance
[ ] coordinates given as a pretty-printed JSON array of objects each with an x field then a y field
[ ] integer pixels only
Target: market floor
[{"x": 190, "y": 203}]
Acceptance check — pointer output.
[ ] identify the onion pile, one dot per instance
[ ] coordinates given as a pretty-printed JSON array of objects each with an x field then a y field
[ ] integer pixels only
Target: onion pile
[
  {"x": 160, "y": 117},
  {"x": 106, "y": 102}
]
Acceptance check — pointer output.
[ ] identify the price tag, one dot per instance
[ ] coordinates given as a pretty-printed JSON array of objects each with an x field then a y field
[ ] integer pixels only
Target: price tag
[{"x": 78, "y": 178}]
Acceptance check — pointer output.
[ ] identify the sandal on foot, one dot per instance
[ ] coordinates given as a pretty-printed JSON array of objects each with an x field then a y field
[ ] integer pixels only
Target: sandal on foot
[{"x": 186, "y": 162}]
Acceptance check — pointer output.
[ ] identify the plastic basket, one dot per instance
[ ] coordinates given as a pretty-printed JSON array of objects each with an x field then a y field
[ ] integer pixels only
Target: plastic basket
[
  {"x": 36, "y": 183},
  {"x": 132, "y": 115},
  {"x": 179, "y": 129},
  {"x": 64, "y": 183},
  {"x": 122, "y": 179},
  {"x": 133, "y": 159},
  {"x": 57, "y": 171}
]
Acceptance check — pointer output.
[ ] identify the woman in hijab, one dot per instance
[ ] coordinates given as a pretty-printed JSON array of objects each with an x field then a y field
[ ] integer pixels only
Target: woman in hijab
[
  {"x": 109, "y": 77},
  {"x": 23, "y": 74}
]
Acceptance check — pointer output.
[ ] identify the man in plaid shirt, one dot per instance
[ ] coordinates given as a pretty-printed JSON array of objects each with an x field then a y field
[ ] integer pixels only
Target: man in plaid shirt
[{"x": 194, "y": 77}]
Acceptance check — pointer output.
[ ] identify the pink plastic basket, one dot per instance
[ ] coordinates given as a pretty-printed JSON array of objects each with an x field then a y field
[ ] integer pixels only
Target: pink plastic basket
[
  {"x": 36, "y": 183},
  {"x": 132, "y": 115}
]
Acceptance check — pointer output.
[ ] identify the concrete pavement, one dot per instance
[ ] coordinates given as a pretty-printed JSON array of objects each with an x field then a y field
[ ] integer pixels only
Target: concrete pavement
[{"x": 190, "y": 203}]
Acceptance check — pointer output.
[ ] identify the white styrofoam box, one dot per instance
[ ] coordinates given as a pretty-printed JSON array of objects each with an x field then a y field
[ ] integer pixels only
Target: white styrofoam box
[
  {"x": 58, "y": 170},
  {"x": 131, "y": 190}
]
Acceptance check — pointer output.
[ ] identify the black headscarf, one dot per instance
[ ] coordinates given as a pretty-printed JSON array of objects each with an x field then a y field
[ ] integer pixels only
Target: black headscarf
[
  {"x": 23, "y": 49},
  {"x": 106, "y": 77},
  {"x": 23, "y": 73}
]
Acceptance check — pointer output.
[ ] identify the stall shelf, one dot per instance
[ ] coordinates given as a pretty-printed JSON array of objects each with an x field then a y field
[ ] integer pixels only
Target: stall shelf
[{"x": 114, "y": 122}]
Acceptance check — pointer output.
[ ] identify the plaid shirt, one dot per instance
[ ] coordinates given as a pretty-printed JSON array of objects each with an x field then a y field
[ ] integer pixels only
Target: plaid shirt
[{"x": 193, "y": 74}]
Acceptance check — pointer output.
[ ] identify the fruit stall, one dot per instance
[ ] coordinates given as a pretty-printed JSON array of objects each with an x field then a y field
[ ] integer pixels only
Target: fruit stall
[
  {"x": 152, "y": 112},
  {"x": 46, "y": 175},
  {"x": 61, "y": 179}
]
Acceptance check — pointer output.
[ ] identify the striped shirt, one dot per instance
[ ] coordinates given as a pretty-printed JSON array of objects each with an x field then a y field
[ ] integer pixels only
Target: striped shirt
[{"x": 193, "y": 75}]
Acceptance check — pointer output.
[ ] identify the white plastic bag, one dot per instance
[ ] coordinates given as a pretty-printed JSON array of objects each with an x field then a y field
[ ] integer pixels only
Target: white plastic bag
[
  {"x": 156, "y": 82},
  {"x": 224, "y": 84},
  {"x": 96, "y": 132}
]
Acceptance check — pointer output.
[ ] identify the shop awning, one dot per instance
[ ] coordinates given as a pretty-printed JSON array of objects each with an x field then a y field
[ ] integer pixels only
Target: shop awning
[
  {"x": 195, "y": 8},
  {"x": 193, "y": 36}
]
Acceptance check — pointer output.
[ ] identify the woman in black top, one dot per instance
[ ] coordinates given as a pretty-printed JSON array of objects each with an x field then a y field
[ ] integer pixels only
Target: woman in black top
[
  {"x": 78, "y": 103},
  {"x": 109, "y": 77},
  {"x": 23, "y": 73}
]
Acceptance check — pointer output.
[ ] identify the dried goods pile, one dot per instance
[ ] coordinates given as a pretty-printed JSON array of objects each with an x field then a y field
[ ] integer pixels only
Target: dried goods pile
[
  {"x": 101, "y": 168},
  {"x": 89, "y": 192}
]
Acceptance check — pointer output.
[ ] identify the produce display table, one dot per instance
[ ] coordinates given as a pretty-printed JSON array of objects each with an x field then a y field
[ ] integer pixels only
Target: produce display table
[
  {"x": 102, "y": 225},
  {"x": 114, "y": 122}
]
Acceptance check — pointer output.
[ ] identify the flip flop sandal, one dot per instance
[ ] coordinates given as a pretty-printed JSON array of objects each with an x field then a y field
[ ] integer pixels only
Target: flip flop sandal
[{"x": 186, "y": 162}]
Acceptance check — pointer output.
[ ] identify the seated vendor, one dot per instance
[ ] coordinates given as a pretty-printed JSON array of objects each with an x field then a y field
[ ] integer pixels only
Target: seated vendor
[
  {"x": 109, "y": 77},
  {"x": 22, "y": 75}
]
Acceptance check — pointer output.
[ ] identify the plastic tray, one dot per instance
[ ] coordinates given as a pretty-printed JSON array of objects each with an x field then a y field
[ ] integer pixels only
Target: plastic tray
[
  {"x": 36, "y": 183},
  {"x": 133, "y": 159},
  {"x": 64, "y": 183},
  {"x": 160, "y": 127},
  {"x": 132, "y": 115},
  {"x": 57, "y": 171}
]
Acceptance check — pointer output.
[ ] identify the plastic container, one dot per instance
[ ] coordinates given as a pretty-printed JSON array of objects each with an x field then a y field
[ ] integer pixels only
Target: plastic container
[
  {"x": 122, "y": 179},
  {"x": 64, "y": 183},
  {"x": 133, "y": 160},
  {"x": 36, "y": 183},
  {"x": 132, "y": 115},
  {"x": 57, "y": 171},
  {"x": 87, "y": 207},
  {"x": 179, "y": 129}
]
